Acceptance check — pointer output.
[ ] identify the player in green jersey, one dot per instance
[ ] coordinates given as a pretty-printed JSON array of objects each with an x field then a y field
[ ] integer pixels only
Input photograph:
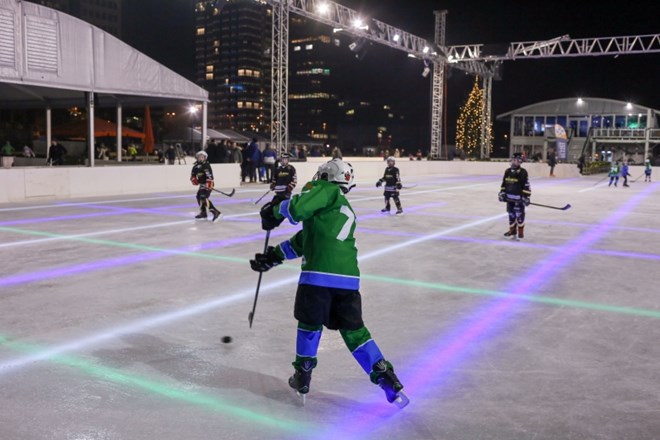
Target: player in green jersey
[{"x": 328, "y": 289}]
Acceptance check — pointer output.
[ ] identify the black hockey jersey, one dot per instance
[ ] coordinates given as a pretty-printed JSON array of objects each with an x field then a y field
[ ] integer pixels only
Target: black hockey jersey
[
  {"x": 515, "y": 184},
  {"x": 391, "y": 178},
  {"x": 284, "y": 179},
  {"x": 203, "y": 172}
]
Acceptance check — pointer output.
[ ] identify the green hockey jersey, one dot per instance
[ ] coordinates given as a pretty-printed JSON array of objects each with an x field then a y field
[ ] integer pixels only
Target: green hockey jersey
[{"x": 326, "y": 241}]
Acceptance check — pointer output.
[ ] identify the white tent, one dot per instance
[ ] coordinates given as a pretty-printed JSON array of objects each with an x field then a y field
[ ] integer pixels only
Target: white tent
[{"x": 50, "y": 59}]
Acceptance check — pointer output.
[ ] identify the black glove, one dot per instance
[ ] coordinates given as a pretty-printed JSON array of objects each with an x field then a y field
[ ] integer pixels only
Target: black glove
[
  {"x": 379, "y": 184},
  {"x": 399, "y": 186},
  {"x": 268, "y": 220},
  {"x": 265, "y": 262},
  {"x": 502, "y": 196},
  {"x": 526, "y": 201}
]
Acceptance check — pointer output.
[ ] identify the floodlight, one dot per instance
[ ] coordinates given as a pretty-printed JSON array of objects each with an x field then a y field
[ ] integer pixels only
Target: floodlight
[{"x": 426, "y": 71}]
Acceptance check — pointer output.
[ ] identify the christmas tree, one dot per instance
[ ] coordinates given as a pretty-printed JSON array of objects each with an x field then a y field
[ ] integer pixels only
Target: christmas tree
[{"x": 469, "y": 123}]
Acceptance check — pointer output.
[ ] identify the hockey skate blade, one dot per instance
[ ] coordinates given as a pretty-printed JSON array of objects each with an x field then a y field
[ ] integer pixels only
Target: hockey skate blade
[
  {"x": 303, "y": 398},
  {"x": 401, "y": 400}
]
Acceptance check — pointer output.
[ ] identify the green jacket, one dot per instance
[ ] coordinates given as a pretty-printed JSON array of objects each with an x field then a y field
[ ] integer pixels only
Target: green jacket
[{"x": 326, "y": 241}]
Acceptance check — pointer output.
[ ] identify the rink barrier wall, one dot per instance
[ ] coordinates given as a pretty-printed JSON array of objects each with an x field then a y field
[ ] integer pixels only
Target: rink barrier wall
[{"x": 20, "y": 184}]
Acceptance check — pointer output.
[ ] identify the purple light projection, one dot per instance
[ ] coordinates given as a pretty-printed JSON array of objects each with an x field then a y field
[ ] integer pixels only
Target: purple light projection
[{"x": 446, "y": 352}]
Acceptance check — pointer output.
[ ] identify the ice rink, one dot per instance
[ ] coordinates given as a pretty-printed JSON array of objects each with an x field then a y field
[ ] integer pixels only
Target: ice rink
[{"x": 113, "y": 310}]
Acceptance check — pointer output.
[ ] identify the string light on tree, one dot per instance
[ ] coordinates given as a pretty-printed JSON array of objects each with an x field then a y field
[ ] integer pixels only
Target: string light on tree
[{"x": 469, "y": 123}]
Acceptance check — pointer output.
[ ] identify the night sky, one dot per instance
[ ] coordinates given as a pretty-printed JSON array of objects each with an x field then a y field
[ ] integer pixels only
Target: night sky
[{"x": 162, "y": 29}]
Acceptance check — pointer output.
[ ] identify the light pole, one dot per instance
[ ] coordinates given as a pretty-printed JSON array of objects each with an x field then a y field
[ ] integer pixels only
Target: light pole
[{"x": 193, "y": 111}]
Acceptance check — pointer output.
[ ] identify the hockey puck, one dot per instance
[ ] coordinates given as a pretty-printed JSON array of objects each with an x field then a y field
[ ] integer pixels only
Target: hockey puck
[{"x": 226, "y": 339}]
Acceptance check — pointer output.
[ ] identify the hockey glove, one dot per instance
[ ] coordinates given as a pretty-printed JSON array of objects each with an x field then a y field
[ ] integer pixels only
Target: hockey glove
[
  {"x": 268, "y": 220},
  {"x": 194, "y": 180},
  {"x": 265, "y": 262},
  {"x": 399, "y": 186},
  {"x": 379, "y": 184},
  {"x": 209, "y": 184},
  {"x": 502, "y": 196},
  {"x": 526, "y": 201}
]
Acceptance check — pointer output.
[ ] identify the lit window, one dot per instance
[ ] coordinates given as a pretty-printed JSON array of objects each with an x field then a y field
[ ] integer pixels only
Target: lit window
[
  {"x": 239, "y": 104},
  {"x": 296, "y": 48},
  {"x": 209, "y": 68},
  {"x": 309, "y": 46},
  {"x": 201, "y": 31},
  {"x": 209, "y": 76}
]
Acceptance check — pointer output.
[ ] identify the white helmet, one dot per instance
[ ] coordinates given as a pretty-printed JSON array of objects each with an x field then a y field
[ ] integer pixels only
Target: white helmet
[
  {"x": 339, "y": 172},
  {"x": 391, "y": 158},
  {"x": 201, "y": 153}
]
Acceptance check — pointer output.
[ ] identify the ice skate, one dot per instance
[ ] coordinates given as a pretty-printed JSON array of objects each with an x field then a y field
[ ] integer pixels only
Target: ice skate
[
  {"x": 216, "y": 214},
  {"x": 521, "y": 232},
  {"x": 511, "y": 232},
  {"x": 385, "y": 210},
  {"x": 388, "y": 381},
  {"x": 201, "y": 215},
  {"x": 399, "y": 211},
  {"x": 301, "y": 379}
]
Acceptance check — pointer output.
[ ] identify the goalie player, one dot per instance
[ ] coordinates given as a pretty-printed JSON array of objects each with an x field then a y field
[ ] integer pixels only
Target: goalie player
[
  {"x": 329, "y": 286},
  {"x": 515, "y": 191},
  {"x": 202, "y": 175},
  {"x": 392, "y": 181}
]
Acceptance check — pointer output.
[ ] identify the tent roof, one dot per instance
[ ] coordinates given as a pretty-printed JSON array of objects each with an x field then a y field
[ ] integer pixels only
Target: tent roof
[
  {"x": 48, "y": 58},
  {"x": 571, "y": 106}
]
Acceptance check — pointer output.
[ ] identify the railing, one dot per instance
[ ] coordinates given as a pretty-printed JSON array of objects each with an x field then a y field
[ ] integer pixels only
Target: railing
[{"x": 626, "y": 133}]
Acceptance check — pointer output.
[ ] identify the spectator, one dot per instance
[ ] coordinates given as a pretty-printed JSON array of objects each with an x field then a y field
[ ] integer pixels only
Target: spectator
[
  {"x": 552, "y": 161},
  {"x": 580, "y": 163},
  {"x": 170, "y": 154},
  {"x": 132, "y": 152},
  {"x": 252, "y": 157},
  {"x": 7, "y": 149},
  {"x": 336, "y": 153},
  {"x": 102, "y": 154},
  {"x": 419, "y": 154},
  {"x": 293, "y": 153},
  {"x": 270, "y": 158},
  {"x": 27, "y": 151},
  {"x": 223, "y": 152},
  {"x": 56, "y": 153},
  {"x": 180, "y": 154}
]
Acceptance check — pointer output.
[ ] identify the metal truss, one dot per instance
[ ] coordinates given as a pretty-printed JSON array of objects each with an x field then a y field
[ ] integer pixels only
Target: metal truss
[
  {"x": 437, "y": 88},
  {"x": 279, "y": 108},
  {"x": 559, "y": 47},
  {"x": 468, "y": 58},
  {"x": 486, "y": 117},
  {"x": 349, "y": 21}
]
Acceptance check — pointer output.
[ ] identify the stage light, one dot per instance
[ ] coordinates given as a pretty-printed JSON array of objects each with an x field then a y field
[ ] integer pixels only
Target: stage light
[
  {"x": 396, "y": 37},
  {"x": 426, "y": 72},
  {"x": 323, "y": 8},
  {"x": 335, "y": 30},
  {"x": 426, "y": 49}
]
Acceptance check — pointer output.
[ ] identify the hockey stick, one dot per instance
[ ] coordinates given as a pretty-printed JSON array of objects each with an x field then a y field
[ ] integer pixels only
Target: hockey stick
[
  {"x": 637, "y": 178},
  {"x": 224, "y": 193},
  {"x": 601, "y": 180},
  {"x": 256, "y": 293},
  {"x": 259, "y": 199},
  {"x": 409, "y": 186},
  {"x": 564, "y": 208}
]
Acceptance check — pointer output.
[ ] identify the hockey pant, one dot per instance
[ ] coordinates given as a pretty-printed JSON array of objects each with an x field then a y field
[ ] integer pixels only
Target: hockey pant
[
  {"x": 359, "y": 342},
  {"x": 394, "y": 195},
  {"x": 516, "y": 212},
  {"x": 204, "y": 200}
]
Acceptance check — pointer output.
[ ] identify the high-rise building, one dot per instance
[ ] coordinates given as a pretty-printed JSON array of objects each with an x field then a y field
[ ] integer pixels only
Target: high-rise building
[
  {"x": 232, "y": 56},
  {"x": 104, "y": 14},
  {"x": 313, "y": 81}
]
